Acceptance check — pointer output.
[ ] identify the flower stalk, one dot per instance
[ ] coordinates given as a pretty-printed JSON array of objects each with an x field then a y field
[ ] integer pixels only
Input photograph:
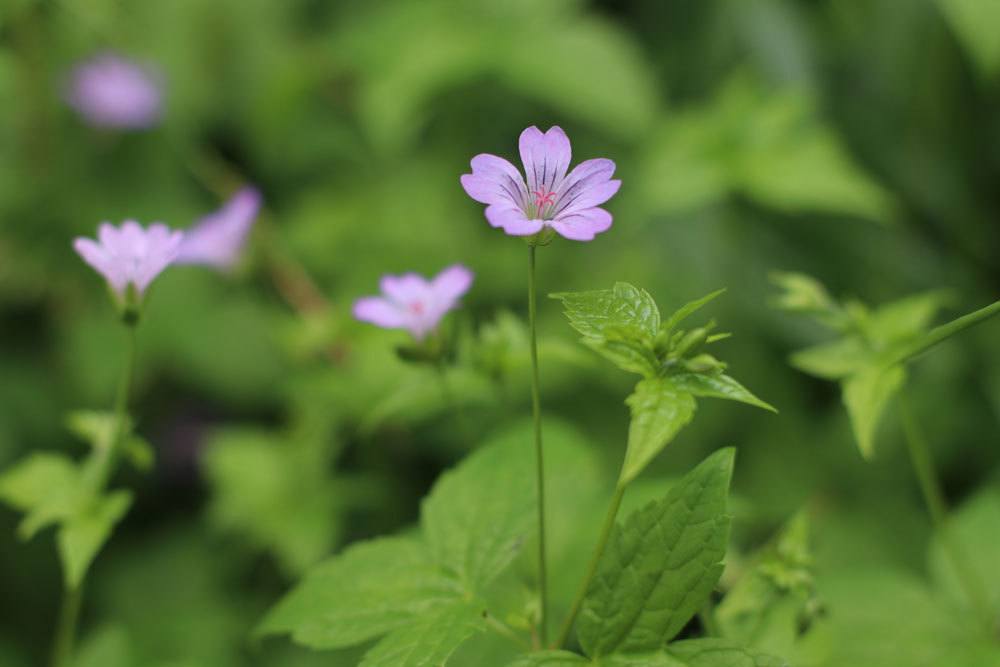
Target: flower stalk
[{"x": 536, "y": 412}]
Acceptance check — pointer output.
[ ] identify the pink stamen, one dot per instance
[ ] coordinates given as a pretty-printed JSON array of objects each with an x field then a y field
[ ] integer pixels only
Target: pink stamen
[
  {"x": 417, "y": 308},
  {"x": 543, "y": 198}
]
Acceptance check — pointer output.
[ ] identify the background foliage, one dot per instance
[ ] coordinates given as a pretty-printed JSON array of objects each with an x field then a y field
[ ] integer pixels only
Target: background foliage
[{"x": 858, "y": 142}]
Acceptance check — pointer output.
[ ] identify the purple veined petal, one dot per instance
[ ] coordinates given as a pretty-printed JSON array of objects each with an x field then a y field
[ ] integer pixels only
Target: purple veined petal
[
  {"x": 583, "y": 225},
  {"x": 451, "y": 283},
  {"x": 101, "y": 261},
  {"x": 405, "y": 289},
  {"x": 546, "y": 158},
  {"x": 587, "y": 186},
  {"x": 380, "y": 312},
  {"x": 512, "y": 220},
  {"x": 218, "y": 238},
  {"x": 494, "y": 181}
]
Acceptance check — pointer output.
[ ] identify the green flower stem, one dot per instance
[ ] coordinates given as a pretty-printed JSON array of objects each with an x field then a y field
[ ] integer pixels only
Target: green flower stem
[
  {"x": 708, "y": 621},
  {"x": 62, "y": 647},
  {"x": 536, "y": 412},
  {"x": 944, "y": 332},
  {"x": 99, "y": 471},
  {"x": 595, "y": 560},
  {"x": 930, "y": 488}
]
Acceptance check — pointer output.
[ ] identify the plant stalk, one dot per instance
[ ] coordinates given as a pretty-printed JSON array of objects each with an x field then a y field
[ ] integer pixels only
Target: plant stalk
[
  {"x": 930, "y": 489},
  {"x": 62, "y": 647},
  {"x": 536, "y": 412},
  {"x": 595, "y": 560},
  {"x": 945, "y": 331}
]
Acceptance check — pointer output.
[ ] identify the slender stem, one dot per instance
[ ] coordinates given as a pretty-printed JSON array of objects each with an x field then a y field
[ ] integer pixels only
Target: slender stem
[
  {"x": 536, "y": 411},
  {"x": 946, "y": 331},
  {"x": 930, "y": 488},
  {"x": 595, "y": 560},
  {"x": 62, "y": 647},
  {"x": 708, "y": 621}
]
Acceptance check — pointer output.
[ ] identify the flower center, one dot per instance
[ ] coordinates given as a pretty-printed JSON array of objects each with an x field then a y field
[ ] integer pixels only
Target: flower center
[
  {"x": 544, "y": 198},
  {"x": 417, "y": 308}
]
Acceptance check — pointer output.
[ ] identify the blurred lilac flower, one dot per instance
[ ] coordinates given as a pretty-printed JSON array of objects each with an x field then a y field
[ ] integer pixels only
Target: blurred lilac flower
[
  {"x": 130, "y": 254},
  {"x": 566, "y": 203},
  {"x": 414, "y": 303},
  {"x": 217, "y": 239},
  {"x": 111, "y": 92}
]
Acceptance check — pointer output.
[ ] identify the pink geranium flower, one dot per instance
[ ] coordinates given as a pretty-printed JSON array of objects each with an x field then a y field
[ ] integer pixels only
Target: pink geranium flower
[
  {"x": 130, "y": 255},
  {"x": 414, "y": 303},
  {"x": 568, "y": 203},
  {"x": 111, "y": 92},
  {"x": 217, "y": 239}
]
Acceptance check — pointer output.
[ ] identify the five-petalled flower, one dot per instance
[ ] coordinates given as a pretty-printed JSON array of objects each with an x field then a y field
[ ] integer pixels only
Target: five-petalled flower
[
  {"x": 412, "y": 302},
  {"x": 130, "y": 255},
  {"x": 111, "y": 92},
  {"x": 567, "y": 203},
  {"x": 217, "y": 239}
]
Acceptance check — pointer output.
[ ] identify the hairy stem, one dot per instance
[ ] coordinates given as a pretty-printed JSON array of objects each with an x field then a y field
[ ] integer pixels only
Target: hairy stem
[
  {"x": 946, "y": 331},
  {"x": 62, "y": 646},
  {"x": 930, "y": 488},
  {"x": 595, "y": 560},
  {"x": 536, "y": 412}
]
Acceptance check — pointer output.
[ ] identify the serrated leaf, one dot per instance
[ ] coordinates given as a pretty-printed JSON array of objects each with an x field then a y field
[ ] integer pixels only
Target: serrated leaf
[
  {"x": 429, "y": 640},
  {"x": 866, "y": 395},
  {"x": 720, "y": 653},
  {"x": 81, "y": 536},
  {"x": 479, "y": 513},
  {"x": 624, "y": 306},
  {"x": 833, "y": 361},
  {"x": 630, "y": 355},
  {"x": 371, "y": 588},
  {"x": 717, "y": 385},
  {"x": 659, "y": 410},
  {"x": 550, "y": 659},
  {"x": 689, "y": 309},
  {"x": 660, "y": 565}
]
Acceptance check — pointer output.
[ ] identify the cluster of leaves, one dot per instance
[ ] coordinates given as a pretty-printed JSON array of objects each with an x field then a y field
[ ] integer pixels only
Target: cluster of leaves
[
  {"x": 53, "y": 489},
  {"x": 868, "y": 357},
  {"x": 623, "y": 324}
]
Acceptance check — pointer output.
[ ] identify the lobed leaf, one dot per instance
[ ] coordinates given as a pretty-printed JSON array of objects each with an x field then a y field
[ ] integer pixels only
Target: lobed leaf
[
  {"x": 720, "y": 653},
  {"x": 659, "y": 410},
  {"x": 429, "y": 640},
  {"x": 370, "y": 589},
  {"x": 660, "y": 565},
  {"x": 624, "y": 306}
]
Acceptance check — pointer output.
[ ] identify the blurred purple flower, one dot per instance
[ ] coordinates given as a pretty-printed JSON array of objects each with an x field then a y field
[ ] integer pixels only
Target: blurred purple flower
[
  {"x": 217, "y": 239},
  {"x": 414, "y": 303},
  {"x": 111, "y": 92},
  {"x": 130, "y": 254},
  {"x": 566, "y": 203}
]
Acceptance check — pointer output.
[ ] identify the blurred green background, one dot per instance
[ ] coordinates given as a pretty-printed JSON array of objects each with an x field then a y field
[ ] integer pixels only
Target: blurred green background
[{"x": 855, "y": 141}]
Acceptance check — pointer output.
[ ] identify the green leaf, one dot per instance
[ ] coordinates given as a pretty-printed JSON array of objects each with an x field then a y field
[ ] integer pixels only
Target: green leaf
[
  {"x": 427, "y": 641},
  {"x": 478, "y": 515},
  {"x": 550, "y": 659},
  {"x": 904, "y": 319},
  {"x": 370, "y": 589},
  {"x": 660, "y": 565},
  {"x": 833, "y": 361},
  {"x": 973, "y": 528},
  {"x": 28, "y": 484},
  {"x": 974, "y": 23},
  {"x": 689, "y": 309},
  {"x": 720, "y": 653},
  {"x": 717, "y": 385},
  {"x": 622, "y": 307},
  {"x": 866, "y": 396},
  {"x": 96, "y": 428},
  {"x": 81, "y": 536},
  {"x": 659, "y": 410},
  {"x": 629, "y": 354}
]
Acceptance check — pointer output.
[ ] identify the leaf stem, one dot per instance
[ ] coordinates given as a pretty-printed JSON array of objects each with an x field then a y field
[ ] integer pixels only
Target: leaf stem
[
  {"x": 62, "y": 646},
  {"x": 536, "y": 411},
  {"x": 930, "y": 488},
  {"x": 595, "y": 560},
  {"x": 944, "y": 332}
]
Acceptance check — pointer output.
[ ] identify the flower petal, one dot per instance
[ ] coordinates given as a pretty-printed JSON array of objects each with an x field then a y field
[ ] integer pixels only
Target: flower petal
[
  {"x": 546, "y": 158},
  {"x": 494, "y": 181},
  {"x": 162, "y": 247},
  {"x": 512, "y": 220},
  {"x": 451, "y": 283},
  {"x": 217, "y": 238},
  {"x": 582, "y": 225},
  {"x": 588, "y": 185},
  {"x": 101, "y": 261},
  {"x": 405, "y": 289},
  {"x": 380, "y": 312}
]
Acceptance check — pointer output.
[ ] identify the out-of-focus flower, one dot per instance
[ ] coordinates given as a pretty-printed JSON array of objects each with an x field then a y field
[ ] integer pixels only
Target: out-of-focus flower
[
  {"x": 130, "y": 255},
  {"x": 568, "y": 203},
  {"x": 111, "y": 92},
  {"x": 414, "y": 303},
  {"x": 217, "y": 239}
]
